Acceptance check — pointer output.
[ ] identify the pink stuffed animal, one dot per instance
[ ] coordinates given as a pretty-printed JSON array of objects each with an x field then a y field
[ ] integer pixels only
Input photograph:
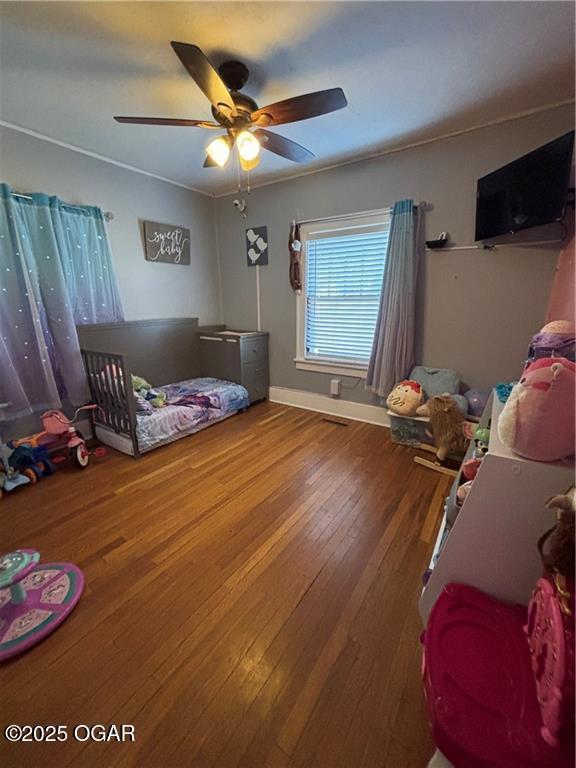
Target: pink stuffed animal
[
  {"x": 470, "y": 468},
  {"x": 537, "y": 421}
]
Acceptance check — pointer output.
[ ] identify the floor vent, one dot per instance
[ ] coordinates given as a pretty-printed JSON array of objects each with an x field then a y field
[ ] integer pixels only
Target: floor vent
[{"x": 335, "y": 421}]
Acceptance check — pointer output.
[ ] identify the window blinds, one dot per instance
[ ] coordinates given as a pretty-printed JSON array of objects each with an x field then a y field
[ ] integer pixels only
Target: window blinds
[{"x": 344, "y": 269}]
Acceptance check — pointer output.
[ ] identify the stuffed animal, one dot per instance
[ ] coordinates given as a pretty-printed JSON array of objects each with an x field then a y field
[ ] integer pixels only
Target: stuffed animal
[
  {"x": 537, "y": 421},
  {"x": 470, "y": 468},
  {"x": 405, "y": 398},
  {"x": 447, "y": 424},
  {"x": 481, "y": 437},
  {"x": 462, "y": 492},
  {"x": 559, "y": 554},
  {"x": 556, "y": 339},
  {"x": 481, "y": 441},
  {"x": 142, "y": 389},
  {"x": 139, "y": 383}
]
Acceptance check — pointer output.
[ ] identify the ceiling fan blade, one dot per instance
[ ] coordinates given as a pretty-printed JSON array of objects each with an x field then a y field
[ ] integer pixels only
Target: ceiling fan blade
[
  {"x": 282, "y": 146},
  {"x": 205, "y": 76},
  {"x": 300, "y": 107},
  {"x": 167, "y": 121}
]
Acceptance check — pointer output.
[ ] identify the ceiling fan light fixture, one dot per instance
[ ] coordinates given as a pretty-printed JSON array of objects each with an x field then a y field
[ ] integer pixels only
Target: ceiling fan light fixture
[
  {"x": 219, "y": 150},
  {"x": 248, "y": 146},
  {"x": 249, "y": 165}
]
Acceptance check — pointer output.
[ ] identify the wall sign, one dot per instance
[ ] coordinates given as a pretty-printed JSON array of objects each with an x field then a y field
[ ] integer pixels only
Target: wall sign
[
  {"x": 257, "y": 246},
  {"x": 166, "y": 243}
]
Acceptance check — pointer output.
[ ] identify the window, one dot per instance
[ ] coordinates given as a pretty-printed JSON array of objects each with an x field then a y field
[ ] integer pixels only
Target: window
[{"x": 343, "y": 265}]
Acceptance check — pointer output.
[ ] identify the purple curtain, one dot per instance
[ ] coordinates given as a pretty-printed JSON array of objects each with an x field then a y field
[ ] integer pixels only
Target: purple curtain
[{"x": 40, "y": 361}]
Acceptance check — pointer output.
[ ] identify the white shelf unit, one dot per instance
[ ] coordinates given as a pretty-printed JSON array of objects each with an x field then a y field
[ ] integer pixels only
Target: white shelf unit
[{"x": 492, "y": 543}]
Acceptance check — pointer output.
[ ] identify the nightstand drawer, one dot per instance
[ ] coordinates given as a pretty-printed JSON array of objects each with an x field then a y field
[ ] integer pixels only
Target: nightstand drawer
[
  {"x": 255, "y": 379},
  {"x": 257, "y": 392},
  {"x": 255, "y": 349}
]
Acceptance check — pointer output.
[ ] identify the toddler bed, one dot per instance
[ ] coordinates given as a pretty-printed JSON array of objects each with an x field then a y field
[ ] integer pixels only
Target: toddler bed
[{"x": 133, "y": 425}]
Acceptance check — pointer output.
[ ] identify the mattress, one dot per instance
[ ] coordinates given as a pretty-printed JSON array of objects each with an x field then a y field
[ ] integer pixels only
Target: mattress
[{"x": 191, "y": 405}]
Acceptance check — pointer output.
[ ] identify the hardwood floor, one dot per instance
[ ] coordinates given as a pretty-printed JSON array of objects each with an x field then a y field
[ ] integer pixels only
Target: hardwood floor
[{"x": 251, "y": 600}]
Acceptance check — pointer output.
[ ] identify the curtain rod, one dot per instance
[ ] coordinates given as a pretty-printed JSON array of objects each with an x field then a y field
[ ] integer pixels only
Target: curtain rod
[
  {"x": 108, "y": 215},
  {"x": 360, "y": 214},
  {"x": 343, "y": 216}
]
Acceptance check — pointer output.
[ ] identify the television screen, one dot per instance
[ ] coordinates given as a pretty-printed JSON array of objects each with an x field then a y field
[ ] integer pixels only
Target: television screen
[{"x": 528, "y": 192}]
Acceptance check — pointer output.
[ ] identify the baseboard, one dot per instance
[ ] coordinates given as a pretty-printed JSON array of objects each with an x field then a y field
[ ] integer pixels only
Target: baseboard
[{"x": 310, "y": 401}]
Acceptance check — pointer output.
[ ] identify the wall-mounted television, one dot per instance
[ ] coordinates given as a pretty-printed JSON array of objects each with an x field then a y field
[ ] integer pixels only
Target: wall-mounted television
[{"x": 528, "y": 192}]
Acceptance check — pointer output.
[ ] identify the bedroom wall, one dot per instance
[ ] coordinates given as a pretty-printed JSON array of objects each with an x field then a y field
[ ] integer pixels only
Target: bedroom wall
[
  {"x": 476, "y": 309},
  {"x": 149, "y": 290}
]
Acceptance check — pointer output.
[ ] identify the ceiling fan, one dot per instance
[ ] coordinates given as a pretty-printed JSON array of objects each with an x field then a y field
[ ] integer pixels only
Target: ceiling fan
[{"x": 239, "y": 115}]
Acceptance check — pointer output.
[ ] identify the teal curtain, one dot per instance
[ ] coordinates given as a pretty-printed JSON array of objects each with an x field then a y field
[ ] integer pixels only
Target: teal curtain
[
  {"x": 393, "y": 347},
  {"x": 86, "y": 260},
  {"x": 47, "y": 286}
]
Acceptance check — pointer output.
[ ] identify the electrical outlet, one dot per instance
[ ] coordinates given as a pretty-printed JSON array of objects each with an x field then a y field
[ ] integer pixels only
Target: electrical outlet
[{"x": 335, "y": 387}]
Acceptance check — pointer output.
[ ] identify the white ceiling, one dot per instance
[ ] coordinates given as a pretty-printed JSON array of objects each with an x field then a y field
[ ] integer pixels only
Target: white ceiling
[{"x": 410, "y": 70}]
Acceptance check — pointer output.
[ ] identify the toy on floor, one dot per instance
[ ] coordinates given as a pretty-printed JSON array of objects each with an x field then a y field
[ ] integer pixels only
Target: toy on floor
[
  {"x": 34, "y": 599},
  {"x": 405, "y": 398},
  {"x": 10, "y": 478},
  {"x": 32, "y": 462},
  {"x": 61, "y": 438},
  {"x": 447, "y": 429},
  {"x": 499, "y": 678},
  {"x": 537, "y": 421}
]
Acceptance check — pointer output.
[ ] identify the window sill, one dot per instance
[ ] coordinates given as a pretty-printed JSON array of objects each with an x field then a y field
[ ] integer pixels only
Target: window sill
[{"x": 340, "y": 369}]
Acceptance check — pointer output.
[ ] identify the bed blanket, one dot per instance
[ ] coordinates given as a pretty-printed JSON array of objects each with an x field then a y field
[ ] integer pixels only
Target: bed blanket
[{"x": 190, "y": 406}]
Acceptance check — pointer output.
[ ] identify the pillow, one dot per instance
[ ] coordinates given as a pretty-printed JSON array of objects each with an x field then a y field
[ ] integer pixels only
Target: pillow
[
  {"x": 461, "y": 402},
  {"x": 436, "y": 381},
  {"x": 405, "y": 398},
  {"x": 537, "y": 421}
]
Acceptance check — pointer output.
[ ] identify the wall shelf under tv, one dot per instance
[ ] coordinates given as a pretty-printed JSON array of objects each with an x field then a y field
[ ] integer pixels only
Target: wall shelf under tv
[{"x": 488, "y": 247}]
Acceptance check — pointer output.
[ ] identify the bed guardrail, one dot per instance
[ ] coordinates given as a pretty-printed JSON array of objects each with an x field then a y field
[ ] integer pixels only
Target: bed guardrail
[{"x": 110, "y": 382}]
